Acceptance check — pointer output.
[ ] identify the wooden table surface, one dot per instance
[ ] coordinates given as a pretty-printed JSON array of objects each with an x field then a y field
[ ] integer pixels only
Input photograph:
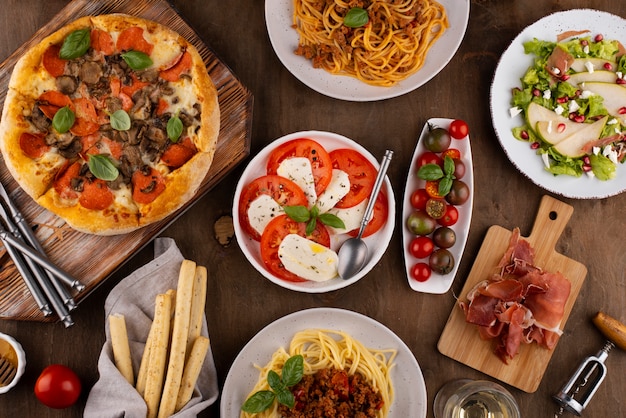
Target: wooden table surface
[{"x": 240, "y": 301}]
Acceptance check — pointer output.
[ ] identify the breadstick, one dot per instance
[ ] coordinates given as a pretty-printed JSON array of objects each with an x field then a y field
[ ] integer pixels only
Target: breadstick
[
  {"x": 158, "y": 353},
  {"x": 121, "y": 349},
  {"x": 184, "y": 292},
  {"x": 197, "y": 306},
  {"x": 192, "y": 371}
]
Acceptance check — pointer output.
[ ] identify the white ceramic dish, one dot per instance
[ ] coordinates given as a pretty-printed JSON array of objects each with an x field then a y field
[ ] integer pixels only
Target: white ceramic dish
[
  {"x": 438, "y": 283},
  {"x": 511, "y": 68},
  {"x": 408, "y": 382},
  {"x": 284, "y": 39},
  {"x": 377, "y": 243},
  {"x": 19, "y": 354}
]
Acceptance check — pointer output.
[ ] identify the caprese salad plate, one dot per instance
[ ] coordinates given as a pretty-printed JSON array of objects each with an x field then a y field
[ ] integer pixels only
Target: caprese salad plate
[
  {"x": 513, "y": 66},
  {"x": 437, "y": 205},
  {"x": 287, "y": 202}
]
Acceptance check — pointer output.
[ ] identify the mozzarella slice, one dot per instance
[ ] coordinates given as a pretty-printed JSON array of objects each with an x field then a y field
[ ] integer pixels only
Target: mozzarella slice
[
  {"x": 298, "y": 170},
  {"x": 351, "y": 217},
  {"x": 338, "y": 187},
  {"x": 261, "y": 211},
  {"x": 308, "y": 259}
]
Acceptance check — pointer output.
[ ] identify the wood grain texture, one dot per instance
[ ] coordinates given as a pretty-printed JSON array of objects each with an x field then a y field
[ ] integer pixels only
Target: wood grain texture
[{"x": 461, "y": 340}]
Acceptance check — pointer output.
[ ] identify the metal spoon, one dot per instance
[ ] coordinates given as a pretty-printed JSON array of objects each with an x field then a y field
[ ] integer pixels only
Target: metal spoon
[{"x": 353, "y": 253}]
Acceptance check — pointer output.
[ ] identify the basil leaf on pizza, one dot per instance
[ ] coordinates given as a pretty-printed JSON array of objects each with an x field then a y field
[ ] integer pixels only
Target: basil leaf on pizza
[{"x": 111, "y": 123}]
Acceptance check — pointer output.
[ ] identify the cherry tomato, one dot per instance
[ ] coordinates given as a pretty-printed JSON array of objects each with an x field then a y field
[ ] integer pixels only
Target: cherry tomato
[
  {"x": 281, "y": 189},
  {"x": 419, "y": 223},
  {"x": 361, "y": 173},
  {"x": 450, "y": 217},
  {"x": 441, "y": 261},
  {"x": 459, "y": 168},
  {"x": 452, "y": 153},
  {"x": 421, "y": 272},
  {"x": 458, "y": 129},
  {"x": 275, "y": 231},
  {"x": 437, "y": 140},
  {"x": 379, "y": 216},
  {"x": 419, "y": 198},
  {"x": 421, "y": 247},
  {"x": 308, "y": 148},
  {"x": 58, "y": 386},
  {"x": 429, "y": 157},
  {"x": 436, "y": 207},
  {"x": 459, "y": 193},
  {"x": 432, "y": 188}
]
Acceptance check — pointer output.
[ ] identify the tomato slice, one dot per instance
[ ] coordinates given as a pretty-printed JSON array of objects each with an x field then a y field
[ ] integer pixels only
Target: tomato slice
[
  {"x": 275, "y": 231},
  {"x": 281, "y": 189},
  {"x": 379, "y": 217},
  {"x": 308, "y": 148},
  {"x": 361, "y": 173}
]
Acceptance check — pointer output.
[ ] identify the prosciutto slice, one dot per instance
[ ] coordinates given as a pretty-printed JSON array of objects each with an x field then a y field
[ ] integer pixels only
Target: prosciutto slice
[{"x": 520, "y": 304}]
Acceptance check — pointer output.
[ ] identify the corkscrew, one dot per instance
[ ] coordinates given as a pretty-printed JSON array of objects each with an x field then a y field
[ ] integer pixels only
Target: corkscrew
[{"x": 578, "y": 391}]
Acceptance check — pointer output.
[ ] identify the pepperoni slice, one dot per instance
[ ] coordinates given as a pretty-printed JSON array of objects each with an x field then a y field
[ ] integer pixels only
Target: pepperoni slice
[
  {"x": 96, "y": 195},
  {"x": 63, "y": 181},
  {"x": 102, "y": 41},
  {"x": 33, "y": 145},
  {"x": 84, "y": 127},
  {"x": 52, "y": 62},
  {"x": 147, "y": 187},
  {"x": 51, "y": 101},
  {"x": 136, "y": 84},
  {"x": 86, "y": 118},
  {"x": 181, "y": 67},
  {"x": 162, "y": 106},
  {"x": 179, "y": 153},
  {"x": 132, "y": 39}
]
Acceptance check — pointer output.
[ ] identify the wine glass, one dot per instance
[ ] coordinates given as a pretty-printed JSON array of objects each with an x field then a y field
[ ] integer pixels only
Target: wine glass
[{"x": 465, "y": 398}]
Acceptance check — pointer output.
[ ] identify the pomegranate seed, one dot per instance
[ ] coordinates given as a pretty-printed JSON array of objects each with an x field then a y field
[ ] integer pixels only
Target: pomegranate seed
[
  {"x": 560, "y": 128},
  {"x": 571, "y": 116},
  {"x": 537, "y": 92},
  {"x": 622, "y": 110},
  {"x": 620, "y": 81},
  {"x": 565, "y": 77},
  {"x": 599, "y": 38},
  {"x": 534, "y": 145},
  {"x": 562, "y": 100},
  {"x": 584, "y": 42},
  {"x": 524, "y": 134},
  {"x": 608, "y": 66},
  {"x": 579, "y": 118},
  {"x": 586, "y": 168},
  {"x": 586, "y": 160}
]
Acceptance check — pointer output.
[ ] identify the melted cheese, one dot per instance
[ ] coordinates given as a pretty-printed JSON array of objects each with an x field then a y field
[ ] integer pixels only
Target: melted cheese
[{"x": 308, "y": 259}]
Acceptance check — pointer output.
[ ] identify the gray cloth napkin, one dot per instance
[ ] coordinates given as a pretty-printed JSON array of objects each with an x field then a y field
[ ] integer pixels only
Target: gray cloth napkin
[{"x": 112, "y": 396}]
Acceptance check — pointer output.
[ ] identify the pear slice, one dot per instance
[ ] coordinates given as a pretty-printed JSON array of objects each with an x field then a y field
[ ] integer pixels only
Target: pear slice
[
  {"x": 580, "y": 64},
  {"x": 614, "y": 96},
  {"x": 572, "y": 146},
  {"x": 553, "y": 132},
  {"x": 596, "y": 76},
  {"x": 537, "y": 113}
]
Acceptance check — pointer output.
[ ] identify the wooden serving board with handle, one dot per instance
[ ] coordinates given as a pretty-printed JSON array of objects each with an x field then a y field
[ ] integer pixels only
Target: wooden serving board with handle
[{"x": 461, "y": 340}]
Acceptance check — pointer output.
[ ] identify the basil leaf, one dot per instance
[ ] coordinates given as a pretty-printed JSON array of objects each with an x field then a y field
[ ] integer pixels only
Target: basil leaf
[
  {"x": 102, "y": 167},
  {"x": 75, "y": 44},
  {"x": 445, "y": 184},
  {"x": 310, "y": 226},
  {"x": 273, "y": 379},
  {"x": 356, "y": 17},
  {"x": 137, "y": 60},
  {"x": 332, "y": 220},
  {"x": 286, "y": 398},
  {"x": 63, "y": 120},
  {"x": 120, "y": 121},
  {"x": 315, "y": 211},
  {"x": 448, "y": 166},
  {"x": 174, "y": 128},
  {"x": 430, "y": 172},
  {"x": 258, "y": 402},
  {"x": 293, "y": 370},
  {"x": 297, "y": 213}
]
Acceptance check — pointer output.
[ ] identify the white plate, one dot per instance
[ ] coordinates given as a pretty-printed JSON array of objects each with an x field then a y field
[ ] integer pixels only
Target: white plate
[
  {"x": 438, "y": 283},
  {"x": 407, "y": 379},
  {"x": 284, "y": 39},
  {"x": 377, "y": 243},
  {"x": 513, "y": 65}
]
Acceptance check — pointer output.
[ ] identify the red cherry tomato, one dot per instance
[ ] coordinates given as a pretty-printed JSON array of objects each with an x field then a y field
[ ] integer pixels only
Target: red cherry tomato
[
  {"x": 450, "y": 217},
  {"x": 421, "y": 247},
  {"x": 458, "y": 129},
  {"x": 421, "y": 272},
  {"x": 429, "y": 157},
  {"x": 58, "y": 386},
  {"x": 361, "y": 172},
  {"x": 419, "y": 198},
  {"x": 275, "y": 231}
]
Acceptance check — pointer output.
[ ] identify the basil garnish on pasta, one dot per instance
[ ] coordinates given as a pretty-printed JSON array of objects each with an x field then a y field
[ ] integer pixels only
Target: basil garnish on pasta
[{"x": 356, "y": 17}]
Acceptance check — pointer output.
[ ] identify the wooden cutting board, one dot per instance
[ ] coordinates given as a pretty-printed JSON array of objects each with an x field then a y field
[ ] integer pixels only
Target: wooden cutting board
[{"x": 461, "y": 341}]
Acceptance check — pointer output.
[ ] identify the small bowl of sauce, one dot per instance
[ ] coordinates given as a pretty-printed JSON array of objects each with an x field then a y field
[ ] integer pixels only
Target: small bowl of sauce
[{"x": 12, "y": 362}]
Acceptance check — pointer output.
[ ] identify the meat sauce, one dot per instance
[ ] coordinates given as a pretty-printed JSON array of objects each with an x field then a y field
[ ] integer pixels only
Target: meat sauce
[{"x": 332, "y": 393}]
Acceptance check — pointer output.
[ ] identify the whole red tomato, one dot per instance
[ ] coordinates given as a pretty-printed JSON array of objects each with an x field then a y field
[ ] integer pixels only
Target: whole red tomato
[
  {"x": 58, "y": 386},
  {"x": 458, "y": 129}
]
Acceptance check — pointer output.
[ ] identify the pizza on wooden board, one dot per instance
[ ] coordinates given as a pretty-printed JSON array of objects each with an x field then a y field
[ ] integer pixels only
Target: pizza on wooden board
[{"x": 111, "y": 123}]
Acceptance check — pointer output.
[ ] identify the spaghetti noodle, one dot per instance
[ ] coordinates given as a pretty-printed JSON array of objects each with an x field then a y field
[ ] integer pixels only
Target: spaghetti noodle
[
  {"x": 323, "y": 349},
  {"x": 389, "y": 48}
]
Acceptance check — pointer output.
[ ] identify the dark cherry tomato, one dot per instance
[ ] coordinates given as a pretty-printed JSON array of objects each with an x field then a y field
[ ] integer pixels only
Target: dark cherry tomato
[
  {"x": 419, "y": 223},
  {"x": 444, "y": 237},
  {"x": 441, "y": 261},
  {"x": 450, "y": 217},
  {"x": 437, "y": 140},
  {"x": 419, "y": 198},
  {"x": 458, "y": 129},
  {"x": 421, "y": 272},
  {"x": 459, "y": 168},
  {"x": 436, "y": 207},
  {"x": 429, "y": 157},
  {"x": 459, "y": 193},
  {"x": 58, "y": 386},
  {"x": 421, "y": 247}
]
